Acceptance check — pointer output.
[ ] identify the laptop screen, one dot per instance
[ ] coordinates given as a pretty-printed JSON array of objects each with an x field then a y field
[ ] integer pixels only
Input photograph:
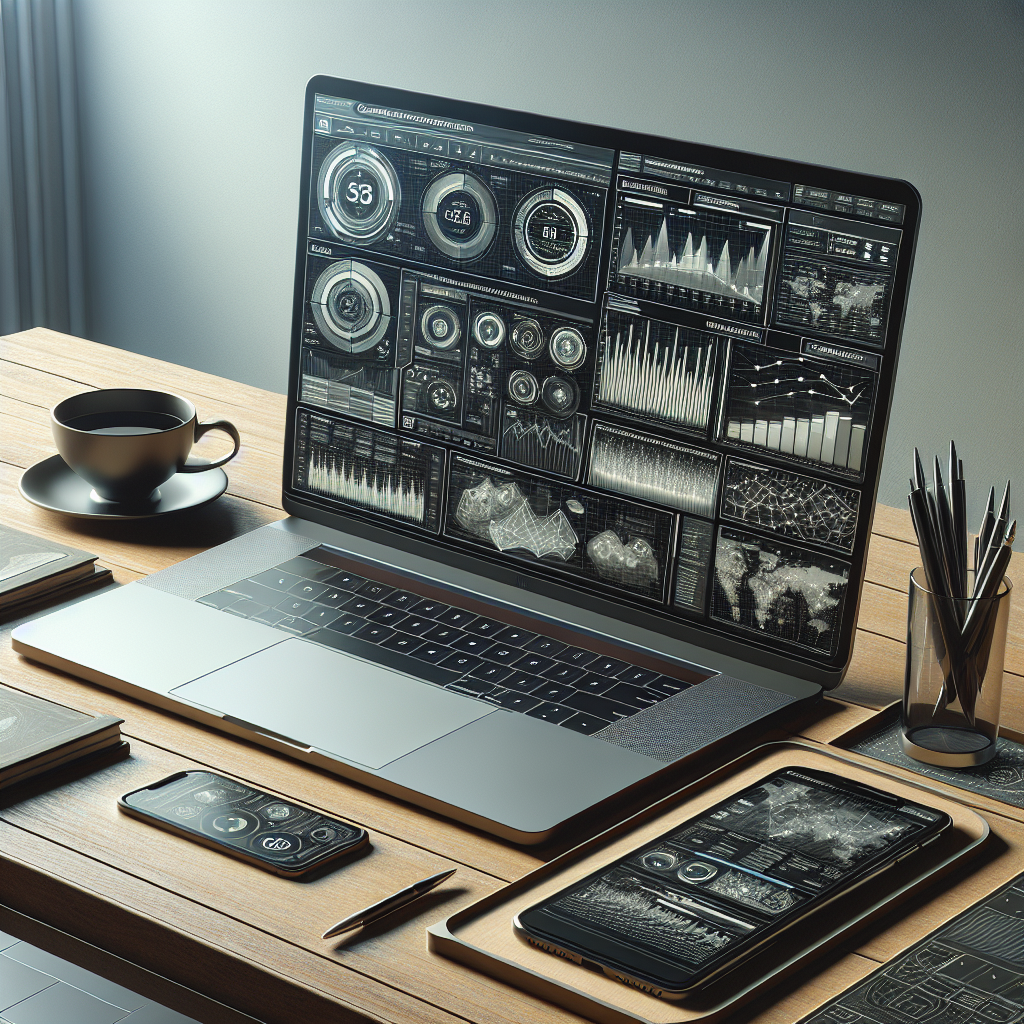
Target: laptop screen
[{"x": 651, "y": 376}]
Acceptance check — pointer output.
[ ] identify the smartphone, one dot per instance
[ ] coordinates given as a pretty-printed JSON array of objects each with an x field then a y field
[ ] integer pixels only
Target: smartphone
[
  {"x": 238, "y": 819},
  {"x": 671, "y": 916}
]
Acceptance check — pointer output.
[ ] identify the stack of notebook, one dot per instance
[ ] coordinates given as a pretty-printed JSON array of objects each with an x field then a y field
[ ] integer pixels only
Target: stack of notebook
[
  {"x": 37, "y": 736},
  {"x": 33, "y": 570}
]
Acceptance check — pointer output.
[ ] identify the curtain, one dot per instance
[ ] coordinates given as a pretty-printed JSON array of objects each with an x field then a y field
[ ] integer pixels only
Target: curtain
[{"x": 41, "y": 261}]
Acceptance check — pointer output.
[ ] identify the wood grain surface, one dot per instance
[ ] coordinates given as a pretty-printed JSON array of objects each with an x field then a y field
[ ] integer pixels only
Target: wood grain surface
[{"x": 245, "y": 937}]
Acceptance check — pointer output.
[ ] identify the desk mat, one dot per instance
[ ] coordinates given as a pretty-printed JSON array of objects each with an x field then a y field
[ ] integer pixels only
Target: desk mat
[
  {"x": 969, "y": 969},
  {"x": 481, "y": 935},
  {"x": 1001, "y": 779}
]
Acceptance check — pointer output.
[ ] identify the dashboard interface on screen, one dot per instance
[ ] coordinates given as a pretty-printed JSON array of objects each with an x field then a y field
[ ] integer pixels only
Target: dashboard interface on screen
[{"x": 632, "y": 374}]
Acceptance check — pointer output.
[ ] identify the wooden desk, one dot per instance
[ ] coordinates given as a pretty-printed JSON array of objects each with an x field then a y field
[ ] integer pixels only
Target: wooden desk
[{"x": 249, "y": 939}]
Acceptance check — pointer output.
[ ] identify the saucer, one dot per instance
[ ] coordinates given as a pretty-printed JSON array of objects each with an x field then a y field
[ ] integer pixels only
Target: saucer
[{"x": 52, "y": 485}]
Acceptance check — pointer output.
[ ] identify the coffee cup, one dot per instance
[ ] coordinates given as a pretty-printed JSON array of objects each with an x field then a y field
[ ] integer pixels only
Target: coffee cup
[{"x": 126, "y": 442}]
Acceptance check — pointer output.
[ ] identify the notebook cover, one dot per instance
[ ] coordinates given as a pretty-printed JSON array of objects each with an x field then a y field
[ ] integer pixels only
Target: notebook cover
[{"x": 31, "y": 726}]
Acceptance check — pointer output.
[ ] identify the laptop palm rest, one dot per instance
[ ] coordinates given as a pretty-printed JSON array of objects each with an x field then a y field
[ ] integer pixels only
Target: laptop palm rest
[{"x": 319, "y": 698}]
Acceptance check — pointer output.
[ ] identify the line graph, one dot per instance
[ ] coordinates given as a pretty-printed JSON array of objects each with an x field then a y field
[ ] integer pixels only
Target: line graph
[
  {"x": 542, "y": 442},
  {"x": 694, "y": 258}
]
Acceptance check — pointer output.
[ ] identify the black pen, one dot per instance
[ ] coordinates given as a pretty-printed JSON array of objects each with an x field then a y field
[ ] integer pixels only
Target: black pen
[{"x": 388, "y": 904}]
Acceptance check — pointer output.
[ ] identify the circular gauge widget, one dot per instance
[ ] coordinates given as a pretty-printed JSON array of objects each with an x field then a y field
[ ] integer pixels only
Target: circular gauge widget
[
  {"x": 441, "y": 396},
  {"x": 351, "y": 306},
  {"x": 560, "y": 395},
  {"x": 488, "y": 330},
  {"x": 359, "y": 193},
  {"x": 659, "y": 860},
  {"x": 697, "y": 871},
  {"x": 441, "y": 328},
  {"x": 233, "y": 824},
  {"x": 527, "y": 339},
  {"x": 550, "y": 232},
  {"x": 523, "y": 387},
  {"x": 567, "y": 348},
  {"x": 460, "y": 215}
]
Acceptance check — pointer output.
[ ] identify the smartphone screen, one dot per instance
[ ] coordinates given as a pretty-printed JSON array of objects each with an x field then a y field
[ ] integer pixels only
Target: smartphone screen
[
  {"x": 257, "y": 827},
  {"x": 703, "y": 895}
]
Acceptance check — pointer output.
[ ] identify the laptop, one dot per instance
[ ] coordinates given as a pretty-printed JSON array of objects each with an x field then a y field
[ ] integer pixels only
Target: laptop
[{"x": 583, "y": 439}]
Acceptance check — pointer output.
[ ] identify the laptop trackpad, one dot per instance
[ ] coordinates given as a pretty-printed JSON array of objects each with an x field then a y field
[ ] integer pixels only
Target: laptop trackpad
[{"x": 325, "y": 699}]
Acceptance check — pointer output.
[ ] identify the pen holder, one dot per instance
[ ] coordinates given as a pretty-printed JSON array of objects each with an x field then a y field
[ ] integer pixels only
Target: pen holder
[{"x": 954, "y": 678}]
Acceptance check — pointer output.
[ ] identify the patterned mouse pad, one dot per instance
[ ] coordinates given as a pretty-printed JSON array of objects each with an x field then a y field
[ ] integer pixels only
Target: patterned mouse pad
[
  {"x": 1001, "y": 779},
  {"x": 969, "y": 970}
]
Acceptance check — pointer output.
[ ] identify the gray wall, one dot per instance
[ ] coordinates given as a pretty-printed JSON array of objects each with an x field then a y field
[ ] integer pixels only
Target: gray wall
[{"x": 191, "y": 122}]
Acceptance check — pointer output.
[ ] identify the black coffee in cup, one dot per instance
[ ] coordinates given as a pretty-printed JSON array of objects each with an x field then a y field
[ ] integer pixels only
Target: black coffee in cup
[
  {"x": 122, "y": 423},
  {"x": 126, "y": 442}
]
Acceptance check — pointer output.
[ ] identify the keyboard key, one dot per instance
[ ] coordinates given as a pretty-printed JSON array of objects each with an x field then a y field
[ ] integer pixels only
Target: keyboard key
[
  {"x": 433, "y": 653},
  {"x": 563, "y": 673},
  {"x": 443, "y": 634},
  {"x": 472, "y": 644},
  {"x": 359, "y": 605},
  {"x": 221, "y": 599},
  {"x": 276, "y": 580},
  {"x": 515, "y": 637},
  {"x": 382, "y": 656},
  {"x": 375, "y": 591},
  {"x": 584, "y": 723},
  {"x": 550, "y": 713},
  {"x": 255, "y": 592},
  {"x": 533, "y": 663},
  {"x": 308, "y": 569},
  {"x": 388, "y": 616},
  {"x": 504, "y": 655},
  {"x": 402, "y": 599},
  {"x": 607, "y": 666},
  {"x": 522, "y": 682},
  {"x": 591, "y": 682},
  {"x": 576, "y": 656},
  {"x": 247, "y": 608},
  {"x": 349, "y": 581},
  {"x": 491, "y": 673},
  {"x": 472, "y": 687},
  {"x": 513, "y": 701},
  {"x": 374, "y": 633},
  {"x": 307, "y": 590},
  {"x": 291, "y": 624},
  {"x": 417, "y": 625},
  {"x": 459, "y": 662},
  {"x": 635, "y": 696},
  {"x": 666, "y": 686},
  {"x": 430, "y": 609},
  {"x": 554, "y": 692},
  {"x": 347, "y": 623},
  {"x": 294, "y": 606},
  {"x": 271, "y": 617},
  {"x": 456, "y": 617},
  {"x": 601, "y": 707},
  {"x": 334, "y": 598},
  {"x": 545, "y": 645},
  {"x": 485, "y": 627},
  {"x": 637, "y": 676},
  {"x": 402, "y": 642},
  {"x": 322, "y": 616}
]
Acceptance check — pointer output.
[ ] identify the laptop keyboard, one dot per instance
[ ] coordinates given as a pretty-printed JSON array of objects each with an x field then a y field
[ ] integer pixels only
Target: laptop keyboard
[{"x": 446, "y": 645}]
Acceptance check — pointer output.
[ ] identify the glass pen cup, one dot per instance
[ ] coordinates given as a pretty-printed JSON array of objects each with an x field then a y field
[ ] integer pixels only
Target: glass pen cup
[{"x": 954, "y": 678}]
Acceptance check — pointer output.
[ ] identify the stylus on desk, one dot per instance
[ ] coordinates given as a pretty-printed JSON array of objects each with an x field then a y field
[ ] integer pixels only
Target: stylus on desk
[{"x": 388, "y": 904}]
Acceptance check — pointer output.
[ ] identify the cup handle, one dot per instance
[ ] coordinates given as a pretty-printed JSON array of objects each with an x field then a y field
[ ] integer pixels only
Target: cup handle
[{"x": 202, "y": 465}]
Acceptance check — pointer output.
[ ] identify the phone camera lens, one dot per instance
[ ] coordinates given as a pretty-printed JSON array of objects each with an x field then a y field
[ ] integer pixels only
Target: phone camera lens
[
  {"x": 659, "y": 860},
  {"x": 697, "y": 871}
]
